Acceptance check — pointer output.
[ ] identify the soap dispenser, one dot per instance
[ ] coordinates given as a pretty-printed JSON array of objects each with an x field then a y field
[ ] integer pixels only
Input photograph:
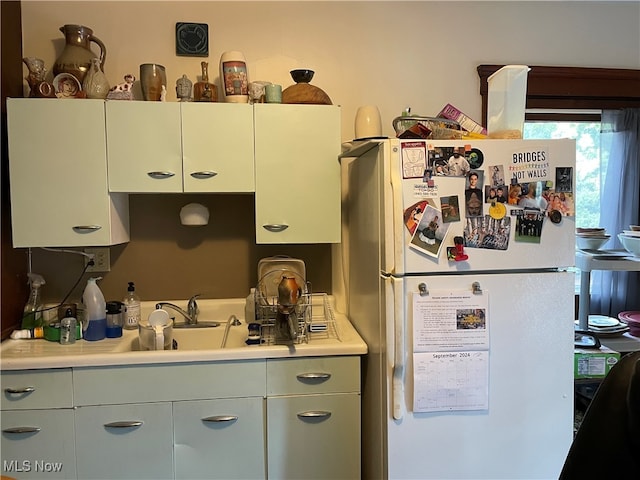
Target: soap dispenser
[{"x": 131, "y": 308}]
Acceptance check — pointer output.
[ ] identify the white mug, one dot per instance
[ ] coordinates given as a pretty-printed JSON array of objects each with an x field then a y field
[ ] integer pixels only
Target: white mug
[{"x": 368, "y": 122}]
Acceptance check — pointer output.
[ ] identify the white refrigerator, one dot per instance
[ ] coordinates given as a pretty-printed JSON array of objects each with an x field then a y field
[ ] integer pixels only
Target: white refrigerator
[{"x": 469, "y": 373}]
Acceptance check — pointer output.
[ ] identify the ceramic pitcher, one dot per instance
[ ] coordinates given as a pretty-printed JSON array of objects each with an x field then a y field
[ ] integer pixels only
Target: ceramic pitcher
[
  {"x": 77, "y": 54},
  {"x": 95, "y": 82}
]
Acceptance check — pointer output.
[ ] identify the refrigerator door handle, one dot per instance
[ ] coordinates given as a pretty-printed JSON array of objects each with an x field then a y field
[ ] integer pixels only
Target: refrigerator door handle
[{"x": 399, "y": 355}]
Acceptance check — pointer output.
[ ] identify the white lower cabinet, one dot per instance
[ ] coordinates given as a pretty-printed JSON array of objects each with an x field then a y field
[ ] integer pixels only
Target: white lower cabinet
[
  {"x": 125, "y": 441},
  {"x": 219, "y": 439},
  {"x": 38, "y": 444},
  {"x": 314, "y": 436},
  {"x": 37, "y": 424},
  {"x": 280, "y": 419},
  {"x": 313, "y": 418}
]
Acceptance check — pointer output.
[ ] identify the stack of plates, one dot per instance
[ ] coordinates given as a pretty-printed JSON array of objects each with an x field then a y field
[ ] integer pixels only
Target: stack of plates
[
  {"x": 631, "y": 233},
  {"x": 632, "y": 319},
  {"x": 606, "y": 326},
  {"x": 591, "y": 238}
]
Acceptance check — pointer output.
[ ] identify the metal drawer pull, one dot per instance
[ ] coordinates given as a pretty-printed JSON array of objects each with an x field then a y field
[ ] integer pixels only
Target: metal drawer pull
[
  {"x": 314, "y": 414},
  {"x": 124, "y": 424},
  {"x": 86, "y": 228},
  {"x": 161, "y": 175},
  {"x": 275, "y": 227},
  {"x": 20, "y": 390},
  {"x": 314, "y": 376},
  {"x": 221, "y": 418},
  {"x": 203, "y": 175},
  {"x": 21, "y": 430}
]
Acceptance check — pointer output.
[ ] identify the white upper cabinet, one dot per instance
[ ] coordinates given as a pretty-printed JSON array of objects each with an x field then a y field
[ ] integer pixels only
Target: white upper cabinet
[
  {"x": 144, "y": 146},
  {"x": 217, "y": 147},
  {"x": 58, "y": 175},
  {"x": 297, "y": 173},
  {"x": 180, "y": 147}
]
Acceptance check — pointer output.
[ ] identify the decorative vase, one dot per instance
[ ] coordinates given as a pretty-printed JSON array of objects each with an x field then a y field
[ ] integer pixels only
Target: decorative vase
[
  {"x": 233, "y": 76},
  {"x": 368, "y": 123},
  {"x": 153, "y": 78},
  {"x": 95, "y": 82},
  {"x": 204, "y": 91},
  {"x": 77, "y": 54},
  {"x": 35, "y": 79}
]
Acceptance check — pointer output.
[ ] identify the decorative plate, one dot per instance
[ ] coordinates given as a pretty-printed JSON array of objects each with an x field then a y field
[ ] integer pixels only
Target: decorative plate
[{"x": 66, "y": 86}]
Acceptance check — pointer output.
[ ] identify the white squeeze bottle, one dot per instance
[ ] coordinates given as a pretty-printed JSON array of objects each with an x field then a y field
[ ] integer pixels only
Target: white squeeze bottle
[
  {"x": 131, "y": 308},
  {"x": 95, "y": 327}
]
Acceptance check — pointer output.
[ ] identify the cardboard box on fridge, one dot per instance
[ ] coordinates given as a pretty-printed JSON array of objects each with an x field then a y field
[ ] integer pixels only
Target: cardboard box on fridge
[
  {"x": 452, "y": 113},
  {"x": 593, "y": 363}
]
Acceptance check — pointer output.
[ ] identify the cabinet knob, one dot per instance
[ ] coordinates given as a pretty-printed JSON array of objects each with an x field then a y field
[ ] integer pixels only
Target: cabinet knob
[
  {"x": 203, "y": 175},
  {"x": 275, "y": 227},
  {"x": 124, "y": 424},
  {"x": 317, "y": 377},
  {"x": 221, "y": 418},
  {"x": 19, "y": 390},
  {"x": 314, "y": 414},
  {"x": 21, "y": 430},
  {"x": 86, "y": 228},
  {"x": 160, "y": 175}
]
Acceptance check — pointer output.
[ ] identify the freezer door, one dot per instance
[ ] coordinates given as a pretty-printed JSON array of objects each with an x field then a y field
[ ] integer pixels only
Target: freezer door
[
  {"x": 527, "y": 430},
  {"x": 521, "y": 239}
]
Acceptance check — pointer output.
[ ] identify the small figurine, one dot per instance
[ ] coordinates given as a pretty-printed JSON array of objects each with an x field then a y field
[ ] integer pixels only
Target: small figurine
[
  {"x": 163, "y": 94},
  {"x": 460, "y": 256},
  {"x": 123, "y": 91},
  {"x": 183, "y": 88}
]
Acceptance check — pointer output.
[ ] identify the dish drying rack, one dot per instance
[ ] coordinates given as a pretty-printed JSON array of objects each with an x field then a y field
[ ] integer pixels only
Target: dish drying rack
[
  {"x": 436, "y": 128},
  {"x": 316, "y": 320}
]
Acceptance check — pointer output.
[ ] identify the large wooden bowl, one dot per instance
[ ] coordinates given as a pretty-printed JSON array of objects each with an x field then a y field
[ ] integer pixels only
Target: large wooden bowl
[{"x": 305, "y": 93}]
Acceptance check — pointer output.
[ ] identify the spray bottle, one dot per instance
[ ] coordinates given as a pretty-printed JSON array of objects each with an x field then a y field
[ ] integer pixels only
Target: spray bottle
[
  {"x": 32, "y": 316},
  {"x": 95, "y": 326}
]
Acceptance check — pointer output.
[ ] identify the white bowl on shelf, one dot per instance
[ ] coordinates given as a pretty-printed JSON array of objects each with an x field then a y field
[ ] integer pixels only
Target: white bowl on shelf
[
  {"x": 591, "y": 242},
  {"x": 630, "y": 244}
]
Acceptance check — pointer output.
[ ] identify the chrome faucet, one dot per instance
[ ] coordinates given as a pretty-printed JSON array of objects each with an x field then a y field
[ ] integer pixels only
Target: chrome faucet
[{"x": 190, "y": 316}]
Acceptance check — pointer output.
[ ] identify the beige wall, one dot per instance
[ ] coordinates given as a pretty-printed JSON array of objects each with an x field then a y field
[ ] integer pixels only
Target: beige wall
[{"x": 391, "y": 54}]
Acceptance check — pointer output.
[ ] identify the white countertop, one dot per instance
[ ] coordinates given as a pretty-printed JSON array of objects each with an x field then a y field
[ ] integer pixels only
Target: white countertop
[{"x": 40, "y": 353}]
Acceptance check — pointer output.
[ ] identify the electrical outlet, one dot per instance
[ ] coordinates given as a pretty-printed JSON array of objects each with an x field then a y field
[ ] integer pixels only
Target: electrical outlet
[{"x": 101, "y": 258}]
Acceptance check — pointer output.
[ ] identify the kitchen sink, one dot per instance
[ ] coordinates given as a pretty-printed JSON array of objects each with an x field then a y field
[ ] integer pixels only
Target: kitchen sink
[{"x": 194, "y": 338}]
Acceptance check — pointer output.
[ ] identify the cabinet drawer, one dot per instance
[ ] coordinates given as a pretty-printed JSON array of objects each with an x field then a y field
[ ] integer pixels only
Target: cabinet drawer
[
  {"x": 158, "y": 383},
  {"x": 45, "y": 450},
  {"x": 313, "y": 375},
  {"x": 36, "y": 389}
]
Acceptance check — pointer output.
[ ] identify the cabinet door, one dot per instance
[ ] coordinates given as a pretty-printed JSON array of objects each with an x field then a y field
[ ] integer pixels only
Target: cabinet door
[
  {"x": 144, "y": 146},
  {"x": 124, "y": 441},
  {"x": 38, "y": 444},
  {"x": 297, "y": 173},
  {"x": 220, "y": 439},
  {"x": 217, "y": 147},
  {"x": 314, "y": 436},
  {"x": 58, "y": 175}
]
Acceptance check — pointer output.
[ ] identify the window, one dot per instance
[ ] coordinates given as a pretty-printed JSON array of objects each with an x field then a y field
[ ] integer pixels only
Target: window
[{"x": 590, "y": 171}]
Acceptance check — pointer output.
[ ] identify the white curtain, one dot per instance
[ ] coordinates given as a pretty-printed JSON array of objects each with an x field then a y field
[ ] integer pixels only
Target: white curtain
[{"x": 613, "y": 292}]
